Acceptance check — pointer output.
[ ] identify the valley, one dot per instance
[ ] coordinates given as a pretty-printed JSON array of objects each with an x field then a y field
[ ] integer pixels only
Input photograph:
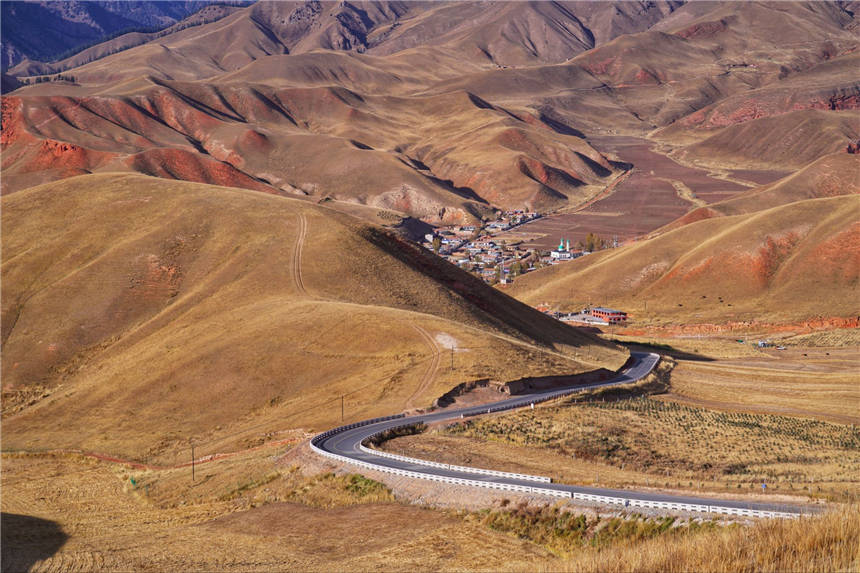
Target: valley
[{"x": 229, "y": 228}]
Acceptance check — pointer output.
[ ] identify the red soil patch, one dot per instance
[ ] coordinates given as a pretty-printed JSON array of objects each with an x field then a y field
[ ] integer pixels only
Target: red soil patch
[
  {"x": 811, "y": 325},
  {"x": 53, "y": 154},
  {"x": 696, "y": 215},
  {"x": 839, "y": 256},
  {"x": 10, "y": 119},
  {"x": 647, "y": 77},
  {"x": 188, "y": 166},
  {"x": 703, "y": 29},
  {"x": 252, "y": 141},
  {"x": 602, "y": 67},
  {"x": 178, "y": 114},
  {"x": 533, "y": 168},
  {"x": 772, "y": 254},
  {"x": 732, "y": 112}
]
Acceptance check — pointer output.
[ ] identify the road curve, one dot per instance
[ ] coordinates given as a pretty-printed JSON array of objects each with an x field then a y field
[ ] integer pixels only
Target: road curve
[{"x": 345, "y": 444}]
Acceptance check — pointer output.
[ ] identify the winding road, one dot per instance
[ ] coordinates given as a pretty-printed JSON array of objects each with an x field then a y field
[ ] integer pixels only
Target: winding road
[{"x": 345, "y": 444}]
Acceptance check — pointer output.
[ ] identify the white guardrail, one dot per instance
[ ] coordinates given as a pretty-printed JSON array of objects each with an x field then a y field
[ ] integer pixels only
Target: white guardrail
[
  {"x": 550, "y": 491},
  {"x": 467, "y": 469},
  {"x": 623, "y": 501},
  {"x": 444, "y": 479}
]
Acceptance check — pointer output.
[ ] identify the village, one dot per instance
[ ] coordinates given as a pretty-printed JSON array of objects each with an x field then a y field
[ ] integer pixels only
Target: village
[{"x": 475, "y": 249}]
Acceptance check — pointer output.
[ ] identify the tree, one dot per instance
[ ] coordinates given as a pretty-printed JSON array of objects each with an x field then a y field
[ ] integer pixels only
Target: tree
[
  {"x": 593, "y": 242},
  {"x": 437, "y": 244},
  {"x": 516, "y": 269}
]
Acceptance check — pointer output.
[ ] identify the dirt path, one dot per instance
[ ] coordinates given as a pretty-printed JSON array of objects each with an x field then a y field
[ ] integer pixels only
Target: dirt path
[
  {"x": 297, "y": 254},
  {"x": 430, "y": 375},
  {"x": 684, "y": 192}
]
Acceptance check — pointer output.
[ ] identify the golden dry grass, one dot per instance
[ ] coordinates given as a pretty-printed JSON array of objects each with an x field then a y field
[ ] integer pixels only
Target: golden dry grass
[
  {"x": 179, "y": 314},
  {"x": 253, "y": 512},
  {"x": 827, "y": 543},
  {"x": 109, "y": 524},
  {"x": 822, "y": 384}
]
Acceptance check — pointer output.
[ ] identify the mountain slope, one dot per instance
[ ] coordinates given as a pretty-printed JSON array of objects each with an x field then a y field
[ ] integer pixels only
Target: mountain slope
[
  {"x": 188, "y": 310},
  {"x": 45, "y": 30},
  {"x": 447, "y": 112},
  {"x": 791, "y": 140},
  {"x": 443, "y": 158},
  {"x": 830, "y": 176},
  {"x": 787, "y": 263}
]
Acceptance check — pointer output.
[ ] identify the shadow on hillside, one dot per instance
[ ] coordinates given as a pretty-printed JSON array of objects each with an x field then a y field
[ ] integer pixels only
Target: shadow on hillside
[
  {"x": 27, "y": 540},
  {"x": 493, "y": 307},
  {"x": 538, "y": 384},
  {"x": 666, "y": 350}
]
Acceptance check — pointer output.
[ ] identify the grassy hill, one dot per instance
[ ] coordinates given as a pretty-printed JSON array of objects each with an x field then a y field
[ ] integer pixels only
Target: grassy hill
[
  {"x": 785, "y": 263},
  {"x": 139, "y": 312},
  {"x": 790, "y": 140},
  {"x": 830, "y": 176}
]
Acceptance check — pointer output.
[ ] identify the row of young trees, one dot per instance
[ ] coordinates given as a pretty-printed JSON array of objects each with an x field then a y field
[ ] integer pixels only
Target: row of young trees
[
  {"x": 594, "y": 242},
  {"x": 43, "y": 79}
]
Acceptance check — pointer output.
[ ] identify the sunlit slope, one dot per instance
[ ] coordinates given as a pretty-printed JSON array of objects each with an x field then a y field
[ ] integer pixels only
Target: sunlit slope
[
  {"x": 790, "y": 140},
  {"x": 138, "y": 312},
  {"x": 442, "y": 158},
  {"x": 790, "y": 262},
  {"x": 830, "y": 176}
]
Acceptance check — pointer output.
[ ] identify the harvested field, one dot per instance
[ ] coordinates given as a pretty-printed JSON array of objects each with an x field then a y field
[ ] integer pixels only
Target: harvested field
[
  {"x": 822, "y": 386},
  {"x": 666, "y": 445},
  {"x": 758, "y": 176},
  {"x": 64, "y": 513},
  {"x": 85, "y": 515}
]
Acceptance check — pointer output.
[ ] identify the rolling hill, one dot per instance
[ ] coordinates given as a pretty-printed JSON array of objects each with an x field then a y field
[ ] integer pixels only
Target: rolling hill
[
  {"x": 443, "y": 158},
  {"x": 786, "y": 263},
  {"x": 162, "y": 311},
  {"x": 830, "y": 176},
  {"x": 445, "y": 112}
]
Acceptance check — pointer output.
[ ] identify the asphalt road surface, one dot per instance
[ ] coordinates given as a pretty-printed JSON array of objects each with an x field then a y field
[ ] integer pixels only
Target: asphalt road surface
[{"x": 347, "y": 443}]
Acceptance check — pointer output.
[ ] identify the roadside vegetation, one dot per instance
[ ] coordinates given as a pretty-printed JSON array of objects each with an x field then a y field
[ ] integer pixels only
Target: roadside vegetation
[
  {"x": 690, "y": 447},
  {"x": 827, "y": 543},
  {"x": 565, "y": 532},
  {"x": 830, "y": 542}
]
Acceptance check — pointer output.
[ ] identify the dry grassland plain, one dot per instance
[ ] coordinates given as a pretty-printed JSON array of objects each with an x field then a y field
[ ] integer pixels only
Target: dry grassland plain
[{"x": 102, "y": 520}]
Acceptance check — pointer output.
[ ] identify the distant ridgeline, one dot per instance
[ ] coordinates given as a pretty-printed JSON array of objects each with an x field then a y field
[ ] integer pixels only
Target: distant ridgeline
[{"x": 54, "y": 31}]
